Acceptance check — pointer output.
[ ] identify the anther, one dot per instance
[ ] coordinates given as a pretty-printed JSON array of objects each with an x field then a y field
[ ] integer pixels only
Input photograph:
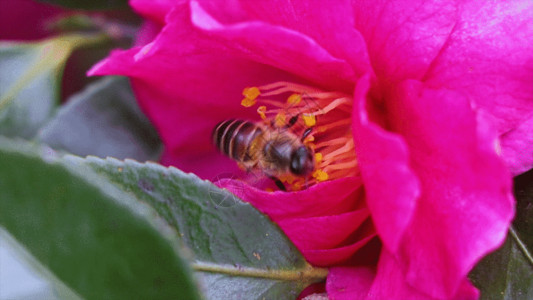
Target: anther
[
  {"x": 318, "y": 157},
  {"x": 309, "y": 120},
  {"x": 294, "y": 99},
  {"x": 320, "y": 175},
  {"x": 250, "y": 95},
  {"x": 279, "y": 120},
  {"x": 247, "y": 102},
  {"x": 251, "y": 92},
  {"x": 261, "y": 111}
]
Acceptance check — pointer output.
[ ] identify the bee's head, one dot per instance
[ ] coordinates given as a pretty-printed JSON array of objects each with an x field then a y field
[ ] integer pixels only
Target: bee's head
[{"x": 302, "y": 161}]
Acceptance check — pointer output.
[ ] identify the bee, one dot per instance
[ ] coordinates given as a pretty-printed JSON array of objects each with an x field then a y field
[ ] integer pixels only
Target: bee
[{"x": 274, "y": 151}]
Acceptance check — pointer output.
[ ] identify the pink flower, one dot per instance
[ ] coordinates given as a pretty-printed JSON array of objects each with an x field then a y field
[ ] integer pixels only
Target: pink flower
[{"x": 439, "y": 109}]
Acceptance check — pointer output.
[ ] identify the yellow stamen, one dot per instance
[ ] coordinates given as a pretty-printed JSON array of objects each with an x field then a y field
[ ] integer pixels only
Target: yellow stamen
[
  {"x": 320, "y": 175},
  {"x": 309, "y": 120},
  {"x": 248, "y": 102},
  {"x": 294, "y": 99},
  {"x": 318, "y": 157},
  {"x": 280, "y": 120},
  {"x": 309, "y": 139},
  {"x": 251, "y": 92},
  {"x": 327, "y": 112},
  {"x": 261, "y": 111}
]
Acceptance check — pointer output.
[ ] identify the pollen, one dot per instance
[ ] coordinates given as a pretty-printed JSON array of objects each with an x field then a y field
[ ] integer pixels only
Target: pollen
[
  {"x": 261, "y": 110},
  {"x": 309, "y": 120},
  {"x": 294, "y": 99},
  {"x": 280, "y": 120},
  {"x": 320, "y": 175},
  {"x": 248, "y": 102},
  {"x": 250, "y": 95},
  {"x": 320, "y": 119},
  {"x": 251, "y": 92}
]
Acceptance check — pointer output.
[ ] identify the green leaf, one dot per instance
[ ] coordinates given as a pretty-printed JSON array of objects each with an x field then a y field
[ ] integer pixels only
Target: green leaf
[
  {"x": 508, "y": 272},
  {"x": 89, "y": 5},
  {"x": 94, "y": 238},
  {"x": 504, "y": 274},
  {"x": 29, "y": 81},
  {"x": 237, "y": 250},
  {"x": 103, "y": 120},
  {"x": 523, "y": 222}
]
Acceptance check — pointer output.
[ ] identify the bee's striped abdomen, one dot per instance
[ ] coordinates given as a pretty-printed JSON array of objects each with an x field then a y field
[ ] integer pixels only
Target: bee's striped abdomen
[{"x": 234, "y": 137}]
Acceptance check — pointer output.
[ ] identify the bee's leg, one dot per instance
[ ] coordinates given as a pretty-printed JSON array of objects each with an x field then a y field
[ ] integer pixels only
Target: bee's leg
[
  {"x": 306, "y": 133},
  {"x": 278, "y": 183}
]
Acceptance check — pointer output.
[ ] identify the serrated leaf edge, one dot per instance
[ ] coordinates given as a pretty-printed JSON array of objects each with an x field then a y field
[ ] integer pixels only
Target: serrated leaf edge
[{"x": 307, "y": 274}]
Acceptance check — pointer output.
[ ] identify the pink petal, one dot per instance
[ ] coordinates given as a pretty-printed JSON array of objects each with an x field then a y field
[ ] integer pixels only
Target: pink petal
[
  {"x": 390, "y": 283},
  {"x": 466, "y": 204},
  {"x": 327, "y": 198},
  {"x": 279, "y": 47},
  {"x": 516, "y": 147},
  {"x": 314, "y": 19},
  {"x": 391, "y": 187},
  {"x": 334, "y": 256},
  {"x": 403, "y": 37},
  {"x": 350, "y": 283},
  {"x": 146, "y": 33},
  {"x": 341, "y": 227},
  {"x": 328, "y": 214},
  {"x": 184, "y": 80},
  {"x": 489, "y": 58}
]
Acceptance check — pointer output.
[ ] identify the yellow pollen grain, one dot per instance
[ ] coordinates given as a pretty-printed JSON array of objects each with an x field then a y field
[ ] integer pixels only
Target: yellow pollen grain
[
  {"x": 318, "y": 157},
  {"x": 279, "y": 121},
  {"x": 248, "y": 102},
  {"x": 261, "y": 111},
  {"x": 309, "y": 139},
  {"x": 251, "y": 92},
  {"x": 320, "y": 175},
  {"x": 297, "y": 185},
  {"x": 309, "y": 120},
  {"x": 294, "y": 99}
]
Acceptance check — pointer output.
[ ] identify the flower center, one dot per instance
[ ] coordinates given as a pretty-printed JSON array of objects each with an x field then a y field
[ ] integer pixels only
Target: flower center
[{"x": 322, "y": 119}]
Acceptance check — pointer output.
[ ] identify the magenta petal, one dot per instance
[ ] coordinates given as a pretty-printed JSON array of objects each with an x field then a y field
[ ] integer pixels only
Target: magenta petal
[
  {"x": 517, "y": 151},
  {"x": 391, "y": 187},
  {"x": 489, "y": 58},
  {"x": 184, "y": 80},
  {"x": 349, "y": 283},
  {"x": 340, "y": 227},
  {"x": 390, "y": 283},
  {"x": 404, "y": 36},
  {"x": 334, "y": 256},
  {"x": 314, "y": 19},
  {"x": 280, "y": 47},
  {"x": 466, "y": 204},
  {"x": 331, "y": 209},
  {"x": 327, "y": 198}
]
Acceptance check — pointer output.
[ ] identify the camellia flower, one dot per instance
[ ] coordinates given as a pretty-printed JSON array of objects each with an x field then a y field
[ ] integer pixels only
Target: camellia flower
[{"x": 419, "y": 113}]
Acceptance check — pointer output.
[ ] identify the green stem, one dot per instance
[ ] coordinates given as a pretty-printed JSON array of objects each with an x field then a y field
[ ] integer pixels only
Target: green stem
[{"x": 308, "y": 273}]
